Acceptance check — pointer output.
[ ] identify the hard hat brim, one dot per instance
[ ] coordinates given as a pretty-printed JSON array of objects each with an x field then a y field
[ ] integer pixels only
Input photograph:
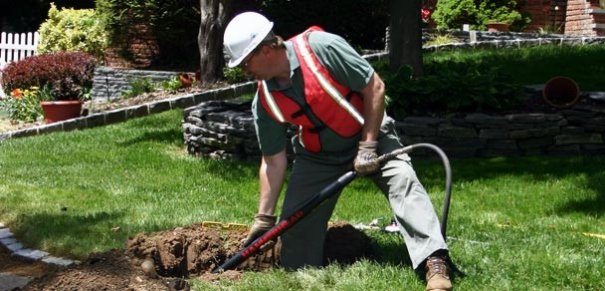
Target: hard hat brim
[{"x": 262, "y": 35}]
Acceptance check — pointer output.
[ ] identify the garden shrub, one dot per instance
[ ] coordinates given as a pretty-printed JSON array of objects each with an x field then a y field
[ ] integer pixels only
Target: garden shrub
[
  {"x": 72, "y": 30},
  {"x": 171, "y": 85},
  {"x": 452, "y": 14},
  {"x": 234, "y": 75},
  {"x": 449, "y": 88},
  {"x": 506, "y": 11},
  {"x": 68, "y": 75},
  {"x": 139, "y": 86}
]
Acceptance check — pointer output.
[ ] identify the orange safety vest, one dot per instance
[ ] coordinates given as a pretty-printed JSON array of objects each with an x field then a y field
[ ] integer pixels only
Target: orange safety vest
[{"x": 327, "y": 102}]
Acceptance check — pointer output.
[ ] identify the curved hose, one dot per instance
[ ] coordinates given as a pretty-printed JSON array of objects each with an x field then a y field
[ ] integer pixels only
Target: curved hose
[
  {"x": 448, "y": 175},
  {"x": 328, "y": 192}
]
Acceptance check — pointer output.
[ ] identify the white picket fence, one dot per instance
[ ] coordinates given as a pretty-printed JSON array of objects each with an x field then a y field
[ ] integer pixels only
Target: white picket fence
[{"x": 15, "y": 47}]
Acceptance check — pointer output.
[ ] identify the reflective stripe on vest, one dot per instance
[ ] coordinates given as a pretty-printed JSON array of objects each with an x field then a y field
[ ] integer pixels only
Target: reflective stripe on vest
[
  {"x": 272, "y": 104},
  {"x": 305, "y": 51},
  {"x": 323, "y": 106}
]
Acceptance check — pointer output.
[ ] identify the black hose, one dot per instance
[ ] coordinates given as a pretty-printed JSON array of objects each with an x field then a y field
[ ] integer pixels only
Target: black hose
[
  {"x": 448, "y": 175},
  {"x": 330, "y": 191}
]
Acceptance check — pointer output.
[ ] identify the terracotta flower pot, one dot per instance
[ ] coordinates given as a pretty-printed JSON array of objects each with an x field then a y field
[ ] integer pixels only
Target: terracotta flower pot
[
  {"x": 561, "y": 92},
  {"x": 498, "y": 27},
  {"x": 61, "y": 110},
  {"x": 186, "y": 80}
]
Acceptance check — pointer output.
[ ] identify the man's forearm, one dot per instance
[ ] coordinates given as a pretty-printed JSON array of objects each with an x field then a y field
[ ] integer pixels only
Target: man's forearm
[{"x": 271, "y": 179}]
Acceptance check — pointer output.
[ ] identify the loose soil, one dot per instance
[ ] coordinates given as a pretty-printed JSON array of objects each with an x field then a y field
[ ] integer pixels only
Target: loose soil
[
  {"x": 177, "y": 254},
  {"x": 17, "y": 267}
]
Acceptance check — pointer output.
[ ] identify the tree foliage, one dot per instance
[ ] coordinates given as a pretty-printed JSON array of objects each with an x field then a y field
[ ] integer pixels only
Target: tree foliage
[
  {"x": 452, "y": 14},
  {"x": 72, "y": 30}
]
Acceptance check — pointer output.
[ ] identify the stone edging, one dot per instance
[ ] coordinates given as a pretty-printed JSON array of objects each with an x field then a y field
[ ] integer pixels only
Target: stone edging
[
  {"x": 9, "y": 242},
  {"x": 123, "y": 114},
  {"x": 519, "y": 42}
]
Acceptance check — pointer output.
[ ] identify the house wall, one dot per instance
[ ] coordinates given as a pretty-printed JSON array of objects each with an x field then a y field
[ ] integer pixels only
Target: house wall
[
  {"x": 579, "y": 19},
  {"x": 545, "y": 14},
  {"x": 572, "y": 17}
]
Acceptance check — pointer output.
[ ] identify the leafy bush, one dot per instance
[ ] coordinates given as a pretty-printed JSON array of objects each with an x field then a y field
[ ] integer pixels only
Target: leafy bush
[
  {"x": 68, "y": 75},
  {"x": 172, "y": 85},
  {"x": 234, "y": 75},
  {"x": 501, "y": 11},
  {"x": 452, "y": 14},
  {"x": 72, "y": 30},
  {"x": 449, "y": 88},
  {"x": 138, "y": 87}
]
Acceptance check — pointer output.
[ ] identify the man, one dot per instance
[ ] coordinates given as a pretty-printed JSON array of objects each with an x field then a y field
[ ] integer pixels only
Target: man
[{"x": 318, "y": 82}]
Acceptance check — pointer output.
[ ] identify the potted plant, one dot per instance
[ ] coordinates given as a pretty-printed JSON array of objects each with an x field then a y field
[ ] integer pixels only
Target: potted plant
[
  {"x": 497, "y": 17},
  {"x": 495, "y": 26},
  {"x": 66, "y": 79},
  {"x": 57, "y": 110}
]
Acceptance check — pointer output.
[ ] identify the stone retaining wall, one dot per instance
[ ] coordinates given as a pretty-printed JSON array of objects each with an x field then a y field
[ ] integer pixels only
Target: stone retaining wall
[
  {"x": 226, "y": 131},
  {"x": 109, "y": 83},
  {"x": 481, "y": 39},
  {"x": 484, "y": 39}
]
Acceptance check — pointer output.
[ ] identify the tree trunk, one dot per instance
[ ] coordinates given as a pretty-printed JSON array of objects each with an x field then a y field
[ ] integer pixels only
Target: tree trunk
[
  {"x": 405, "y": 33},
  {"x": 214, "y": 15}
]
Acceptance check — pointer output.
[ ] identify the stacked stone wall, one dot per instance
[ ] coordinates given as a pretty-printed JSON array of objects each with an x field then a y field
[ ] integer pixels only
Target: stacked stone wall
[
  {"x": 225, "y": 130},
  {"x": 109, "y": 83}
]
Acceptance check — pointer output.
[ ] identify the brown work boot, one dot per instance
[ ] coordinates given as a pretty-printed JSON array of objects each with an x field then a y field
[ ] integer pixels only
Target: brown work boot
[{"x": 437, "y": 274}]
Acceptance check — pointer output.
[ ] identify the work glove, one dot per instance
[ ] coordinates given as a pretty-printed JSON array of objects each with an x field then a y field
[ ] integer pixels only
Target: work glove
[
  {"x": 262, "y": 223},
  {"x": 366, "y": 161}
]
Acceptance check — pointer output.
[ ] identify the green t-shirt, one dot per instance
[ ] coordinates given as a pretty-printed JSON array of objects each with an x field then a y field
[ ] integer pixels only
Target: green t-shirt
[{"x": 346, "y": 66}]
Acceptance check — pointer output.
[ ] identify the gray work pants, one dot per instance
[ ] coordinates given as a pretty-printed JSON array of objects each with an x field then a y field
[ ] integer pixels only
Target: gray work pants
[{"x": 303, "y": 244}]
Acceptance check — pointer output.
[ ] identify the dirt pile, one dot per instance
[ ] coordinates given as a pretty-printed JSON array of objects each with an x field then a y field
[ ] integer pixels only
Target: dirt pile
[{"x": 184, "y": 253}]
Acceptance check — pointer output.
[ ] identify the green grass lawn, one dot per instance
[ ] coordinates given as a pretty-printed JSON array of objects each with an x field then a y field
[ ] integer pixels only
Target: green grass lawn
[{"x": 515, "y": 223}]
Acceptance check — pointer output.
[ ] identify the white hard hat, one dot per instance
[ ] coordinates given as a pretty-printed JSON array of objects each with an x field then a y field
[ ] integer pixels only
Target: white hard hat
[{"x": 243, "y": 34}]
